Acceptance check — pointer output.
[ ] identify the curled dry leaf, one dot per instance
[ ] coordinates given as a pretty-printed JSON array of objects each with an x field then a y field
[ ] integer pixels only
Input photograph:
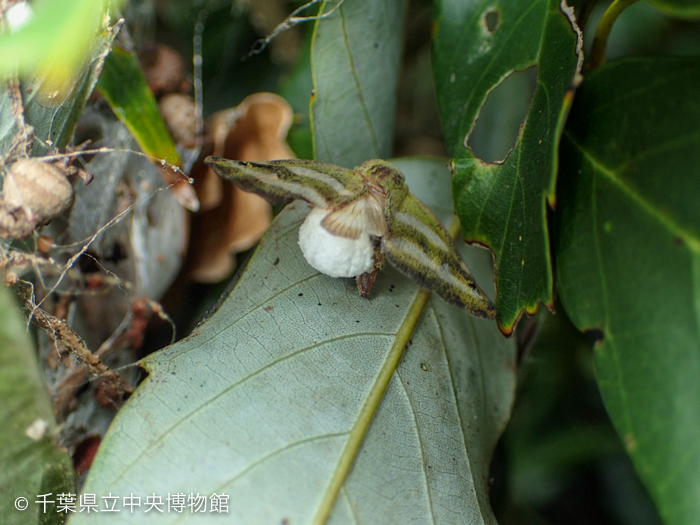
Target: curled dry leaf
[
  {"x": 233, "y": 220},
  {"x": 85, "y": 452},
  {"x": 34, "y": 192}
]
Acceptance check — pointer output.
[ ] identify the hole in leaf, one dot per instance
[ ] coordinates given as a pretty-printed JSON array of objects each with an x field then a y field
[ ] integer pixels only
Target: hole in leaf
[
  {"x": 498, "y": 125},
  {"x": 594, "y": 335},
  {"x": 491, "y": 20}
]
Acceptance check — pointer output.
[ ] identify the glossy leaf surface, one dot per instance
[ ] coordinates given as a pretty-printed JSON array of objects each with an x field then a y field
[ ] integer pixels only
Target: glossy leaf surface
[
  {"x": 681, "y": 8},
  {"x": 628, "y": 259},
  {"x": 124, "y": 86},
  {"x": 503, "y": 206}
]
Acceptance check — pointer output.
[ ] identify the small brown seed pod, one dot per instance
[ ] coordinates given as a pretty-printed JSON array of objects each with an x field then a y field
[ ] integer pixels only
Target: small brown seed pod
[
  {"x": 38, "y": 188},
  {"x": 164, "y": 69},
  {"x": 178, "y": 111}
]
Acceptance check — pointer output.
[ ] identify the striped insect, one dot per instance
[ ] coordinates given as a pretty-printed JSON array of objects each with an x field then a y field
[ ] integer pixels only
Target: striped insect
[{"x": 360, "y": 219}]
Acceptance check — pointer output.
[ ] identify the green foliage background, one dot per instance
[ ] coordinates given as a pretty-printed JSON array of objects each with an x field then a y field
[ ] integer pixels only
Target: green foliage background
[{"x": 592, "y": 211}]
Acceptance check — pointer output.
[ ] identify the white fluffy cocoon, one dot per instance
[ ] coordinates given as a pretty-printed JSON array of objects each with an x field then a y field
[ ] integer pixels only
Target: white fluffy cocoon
[{"x": 333, "y": 255}]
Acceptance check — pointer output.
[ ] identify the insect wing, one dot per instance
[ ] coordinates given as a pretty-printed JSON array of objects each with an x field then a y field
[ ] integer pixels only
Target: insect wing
[
  {"x": 321, "y": 185},
  {"x": 419, "y": 246},
  {"x": 365, "y": 214}
]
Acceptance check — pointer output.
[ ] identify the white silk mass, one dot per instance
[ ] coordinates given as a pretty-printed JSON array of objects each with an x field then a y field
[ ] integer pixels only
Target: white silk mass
[{"x": 333, "y": 255}]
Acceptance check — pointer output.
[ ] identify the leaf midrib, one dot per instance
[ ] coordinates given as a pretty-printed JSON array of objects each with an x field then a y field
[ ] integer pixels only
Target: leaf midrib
[
  {"x": 691, "y": 240},
  {"x": 364, "y": 420},
  {"x": 358, "y": 87}
]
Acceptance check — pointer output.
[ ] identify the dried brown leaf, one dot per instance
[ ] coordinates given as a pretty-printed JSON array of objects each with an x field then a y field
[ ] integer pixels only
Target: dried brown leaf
[{"x": 255, "y": 130}]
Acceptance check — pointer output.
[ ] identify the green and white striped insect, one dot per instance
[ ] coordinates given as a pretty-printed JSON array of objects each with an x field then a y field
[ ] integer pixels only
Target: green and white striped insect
[{"x": 360, "y": 218}]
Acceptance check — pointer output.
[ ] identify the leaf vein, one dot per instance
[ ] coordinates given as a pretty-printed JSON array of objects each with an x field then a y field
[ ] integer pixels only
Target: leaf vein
[
  {"x": 692, "y": 241},
  {"x": 360, "y": 94},
  {"x": 186, "y": 417}
]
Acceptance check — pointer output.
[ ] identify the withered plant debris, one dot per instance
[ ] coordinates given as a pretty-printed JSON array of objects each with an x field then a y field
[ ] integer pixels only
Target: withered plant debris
[
  {"x": 112, "y": 387},
  {"x": 232, "y": 220}
]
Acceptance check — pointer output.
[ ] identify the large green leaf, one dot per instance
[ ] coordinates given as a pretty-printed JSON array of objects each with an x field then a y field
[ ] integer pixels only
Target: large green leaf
[
  {"x": 628, "y": 261},
  {"x": 265, "y": 399},
  {"x": 124, "y": 86},
  {"x": 29, "y": 466},
  {"x": 355, "y": 60},
  {"x": 53, "y": 114},
  {"x": 52, "y": 40},
  {"x": 503, "y": 206},
  {"x": 682, "y": 8}
]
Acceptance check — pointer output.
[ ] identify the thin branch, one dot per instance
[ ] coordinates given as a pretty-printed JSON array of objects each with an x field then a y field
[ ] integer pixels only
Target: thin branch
[
  {"x": 165, "y": 164},
  {"x": 600, "y": 40},
  {"x": 292, "y": 20},
  {"x": 67, "y": 267},
  {"x": 58, "y": 330}
]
